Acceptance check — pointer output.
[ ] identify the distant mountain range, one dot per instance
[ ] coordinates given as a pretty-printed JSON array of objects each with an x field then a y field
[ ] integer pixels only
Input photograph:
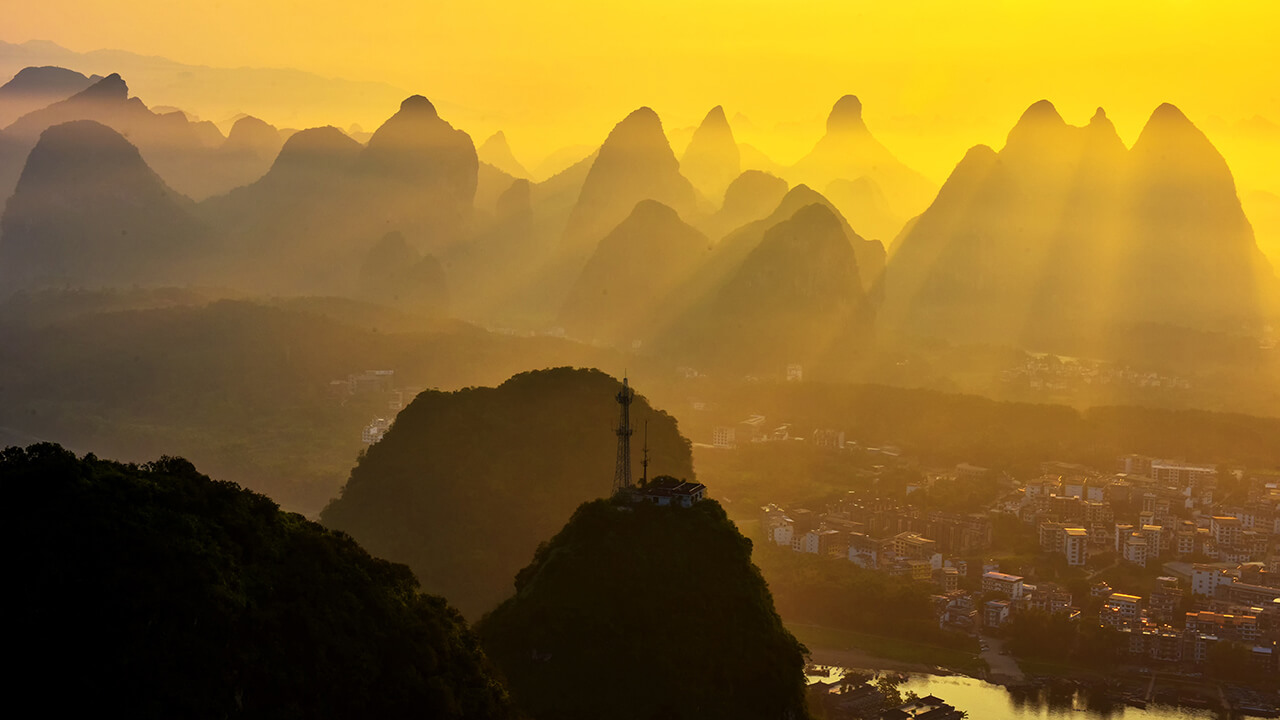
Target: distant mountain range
[
  {"x": 1062, "y": 231},
  {"x": 1065, "y": 228},
  {"x": 88, "y": 211},
  {"x": 35, "y": 87},
  {"x": 193, "y": 157},
  {"x": 861, "y": 176},
  {"x": 713, "y": 158},
  {"x": 287, "y": 97}
]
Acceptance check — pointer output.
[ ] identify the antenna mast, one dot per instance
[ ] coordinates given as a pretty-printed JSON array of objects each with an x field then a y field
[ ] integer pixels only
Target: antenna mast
[
  {"x": 644, "y": 478},
  {"x": 622, "y": 473}
]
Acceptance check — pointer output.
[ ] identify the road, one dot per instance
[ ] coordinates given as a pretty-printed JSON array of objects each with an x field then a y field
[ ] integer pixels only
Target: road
[{"x": 1002, "y": 668}]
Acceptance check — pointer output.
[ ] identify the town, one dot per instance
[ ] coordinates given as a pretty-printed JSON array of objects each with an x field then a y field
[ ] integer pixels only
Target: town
[{"x": 1175, "y": 565}]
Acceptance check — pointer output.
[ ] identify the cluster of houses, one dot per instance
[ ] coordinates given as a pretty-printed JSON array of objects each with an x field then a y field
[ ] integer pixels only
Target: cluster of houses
[
  {"x": 1220, "y": 560},
  {"x": 1041, "y": 371},
  {"x": 757, "y": 429},
  {"x": 1150, "y": 629},
  {"x": 884, "y": 536},
  {"x": 1148, "y": 624},
  {"x": 1218, "y": 555},
  {"x": 372, "y": 384},
  {"x": 1152, "y": 511}
]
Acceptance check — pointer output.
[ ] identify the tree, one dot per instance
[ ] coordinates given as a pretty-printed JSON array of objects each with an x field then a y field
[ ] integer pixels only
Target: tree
[{"x": 157, "y": 592}]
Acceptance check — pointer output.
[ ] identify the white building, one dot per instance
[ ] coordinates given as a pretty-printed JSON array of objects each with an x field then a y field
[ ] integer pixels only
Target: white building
[
  {"x": 374, "y": 431},
  {"x": 1205, "y": 579},
  {"x": 1008, "y": 585},
  {"x": 724, "y": 437},
  {"x": 1075, "y": 545},
  {"x": 1135, "y": 550},
  {"x": 1121, "y": 610},
  {"x": 783, "y": 533},
  {"x": 997, "y": 612},
  {"x": 1154, "y": 535},
  {"x": 864, "y": 551},
  {"x": 1123, "y": 532},
  {"x": 1226, "y": 530},
  {"x": 1181, "y": 474}
]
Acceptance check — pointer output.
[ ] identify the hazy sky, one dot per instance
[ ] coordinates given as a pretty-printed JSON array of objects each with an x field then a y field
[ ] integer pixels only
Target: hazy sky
[{"x": 935, "y": 77}]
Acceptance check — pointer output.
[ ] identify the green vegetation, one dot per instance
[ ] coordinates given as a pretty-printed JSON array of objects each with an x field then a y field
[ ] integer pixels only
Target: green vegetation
[
  {"x": 153, "y": 591},
  {"x": 1055, "y": 638},
  {"x": 241, "y": 388},
  {"x": 886, "y": 646},
  {"x": 754, "y": 475},
  {"x": 466, "y": 484},
  {"x": 940, "y": 428},
  {"x": 638, "y": 611},
  {"x": 838, "y": 594}
]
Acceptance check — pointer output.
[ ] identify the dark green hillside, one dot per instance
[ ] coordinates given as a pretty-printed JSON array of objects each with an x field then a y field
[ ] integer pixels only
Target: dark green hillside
[
  {"x": 242, "y": 388},
  {"x": 466, "y": 484},
  {"x": 638, "y": 611},
  {"x": 153, "y": 591}
]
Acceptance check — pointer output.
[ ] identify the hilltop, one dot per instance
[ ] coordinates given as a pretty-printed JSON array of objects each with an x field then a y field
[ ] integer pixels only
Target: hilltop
[
  {"x": 639, "y": 611},
  {"x": 1065, "y": 231},
  {"x": 466, "y": 484}
]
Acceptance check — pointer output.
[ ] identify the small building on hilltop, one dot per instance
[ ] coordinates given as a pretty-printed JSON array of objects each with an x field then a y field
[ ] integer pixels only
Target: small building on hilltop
[
  {"x": 666, "y": 490},
  {"x": 662, "y": 490}
]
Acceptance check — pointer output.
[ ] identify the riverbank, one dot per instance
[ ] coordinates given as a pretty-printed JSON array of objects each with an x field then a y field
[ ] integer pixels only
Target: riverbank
[
  {"x": 1031, "y": 682},
  {"x": 868, "y": 650}
]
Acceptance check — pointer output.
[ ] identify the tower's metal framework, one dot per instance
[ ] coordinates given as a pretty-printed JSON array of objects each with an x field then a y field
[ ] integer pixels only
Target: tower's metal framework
[
  {"x": 644, "y": 464},
  {"x": 622, "y": 473}
]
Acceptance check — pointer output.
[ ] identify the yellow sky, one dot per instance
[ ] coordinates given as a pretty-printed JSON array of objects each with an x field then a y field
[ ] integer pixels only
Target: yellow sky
[{"x": 935, "y": 77}]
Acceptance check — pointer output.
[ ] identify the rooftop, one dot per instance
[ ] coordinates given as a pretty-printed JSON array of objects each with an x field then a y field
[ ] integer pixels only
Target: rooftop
[{"x": 664, "y": 486}]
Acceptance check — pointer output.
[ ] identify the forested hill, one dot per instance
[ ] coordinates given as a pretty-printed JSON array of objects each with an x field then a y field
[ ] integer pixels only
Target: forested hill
[
  {"x": 153, "y": 591},
  {"x": 634, "y": 612},
  {"x": 465, "y": 484}
]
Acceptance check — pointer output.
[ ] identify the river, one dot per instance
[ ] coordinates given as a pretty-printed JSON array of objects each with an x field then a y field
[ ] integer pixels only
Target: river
[{"x": 985, "y": 701}]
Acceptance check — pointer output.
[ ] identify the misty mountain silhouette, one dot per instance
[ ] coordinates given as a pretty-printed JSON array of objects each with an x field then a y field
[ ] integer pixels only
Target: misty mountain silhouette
[
  {"x": 215, "y": 92},
  {"x": 491, "y": 183},
  {"x": 245, "y": 156},
  {"x": 395, "y": 274},
  {"x": 872, "y": 188},
  {"x": 89, "y": 212},
  {"x": 307, "y": 224},
  {"x": 497, "y": 153},
  {"x": 429, "y": 171},
  {"x": 192, "y": 157},
  {"x": 795, "y": 296},
  {"x": 1190, "y": 230},
  {"x": 750, "y": 197},
  {"x": 253, "y": 136},
  {"x": 630, "y": 273},
  {"x": 1064, "y": 228},
  {"x": 417, "y": 145},
  {"x": 36, "y": 87},
  {"x": 635, "y": 163},
  {"x": 496, "y": 276},
  {"x": 570, "y": 213},
  {"x": 738, "y": 244},
  {"x": 712, "y": 159}
]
